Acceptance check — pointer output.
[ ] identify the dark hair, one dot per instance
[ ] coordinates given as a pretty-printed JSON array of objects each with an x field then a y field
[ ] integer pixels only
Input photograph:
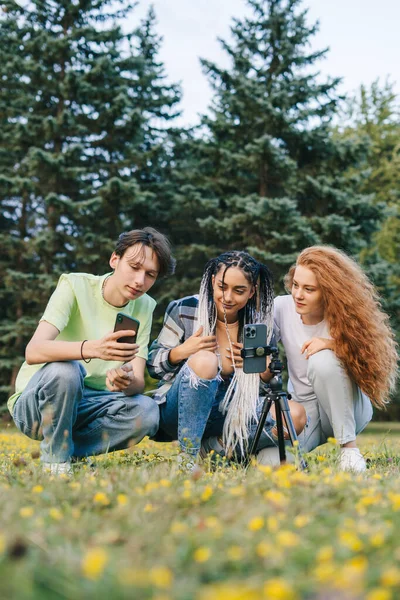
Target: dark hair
[
  {"x": 260, "y": 305},
  {"x": 153, "y": 239}
]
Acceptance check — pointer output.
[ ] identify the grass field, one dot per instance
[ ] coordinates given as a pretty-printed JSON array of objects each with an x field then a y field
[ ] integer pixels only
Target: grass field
[{"x": 134, "y": 527}]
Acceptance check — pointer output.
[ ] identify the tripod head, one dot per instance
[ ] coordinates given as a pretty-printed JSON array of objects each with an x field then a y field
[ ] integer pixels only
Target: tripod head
[{"x": 275, "y": 366}]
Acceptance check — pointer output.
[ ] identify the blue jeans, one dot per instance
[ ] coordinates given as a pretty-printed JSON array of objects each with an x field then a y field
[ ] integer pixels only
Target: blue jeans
[
  {"x": 73, "y": 420},
  {"x": 191, "y": 412}
]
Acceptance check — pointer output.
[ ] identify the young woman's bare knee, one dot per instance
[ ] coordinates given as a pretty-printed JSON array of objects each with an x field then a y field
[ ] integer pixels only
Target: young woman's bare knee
[
  {"x": 204, "y": 364},
  {"x": 298, "y": 415}
]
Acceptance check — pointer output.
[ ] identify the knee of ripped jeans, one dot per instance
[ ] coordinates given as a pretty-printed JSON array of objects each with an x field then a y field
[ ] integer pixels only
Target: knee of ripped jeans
[
  {"x": 204, "y": 365},
  {"x": 196, "y": 380}
]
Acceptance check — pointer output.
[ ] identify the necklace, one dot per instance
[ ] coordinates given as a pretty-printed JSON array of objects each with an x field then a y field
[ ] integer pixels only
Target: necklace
[
  {"x": 103, "y": 286},
  {"x": 102, "y": 292}
]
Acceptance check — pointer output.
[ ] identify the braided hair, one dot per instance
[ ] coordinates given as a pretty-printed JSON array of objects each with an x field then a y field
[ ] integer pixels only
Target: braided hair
[{"x": 241, "y": 398}]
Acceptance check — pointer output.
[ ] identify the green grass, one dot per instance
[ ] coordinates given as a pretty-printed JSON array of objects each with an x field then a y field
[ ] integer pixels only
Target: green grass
[{"x": 135, "y": 527}]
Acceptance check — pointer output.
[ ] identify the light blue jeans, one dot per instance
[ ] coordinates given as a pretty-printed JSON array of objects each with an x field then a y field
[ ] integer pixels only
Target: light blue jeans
[
  {"x": 73, "y": 420},
  {"x": 191, "y": 412},
  {"x": 338, "y": 409}
]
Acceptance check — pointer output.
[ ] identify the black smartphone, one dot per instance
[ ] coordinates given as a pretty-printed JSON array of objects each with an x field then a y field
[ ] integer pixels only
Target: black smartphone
[
  {"x": 254, "y": 336},
  {"x": 124, "y": 323}
]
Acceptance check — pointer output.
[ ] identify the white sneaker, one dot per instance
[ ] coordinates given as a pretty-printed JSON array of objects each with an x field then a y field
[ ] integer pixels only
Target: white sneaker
[
  {"x": 351, "y": 459},
  {"x": 63, "y": 468},
  {"x": 270, "y": 457}
]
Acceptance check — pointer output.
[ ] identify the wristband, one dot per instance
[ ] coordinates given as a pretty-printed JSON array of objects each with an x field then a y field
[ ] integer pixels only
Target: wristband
[{"x": 85, "y": 360}]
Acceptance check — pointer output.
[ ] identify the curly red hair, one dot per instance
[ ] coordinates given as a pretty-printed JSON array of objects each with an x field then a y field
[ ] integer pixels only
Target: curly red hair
[{"x": 364, "y": 340}]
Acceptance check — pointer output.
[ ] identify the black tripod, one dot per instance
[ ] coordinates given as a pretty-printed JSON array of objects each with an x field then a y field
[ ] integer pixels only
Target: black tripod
[{"x": 276, "y": 395}]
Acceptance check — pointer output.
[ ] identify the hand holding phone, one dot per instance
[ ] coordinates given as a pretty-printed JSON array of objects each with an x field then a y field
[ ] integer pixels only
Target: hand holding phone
[
  {"x": 119, "y": 345},
  {"x": 126, "y": 323}
]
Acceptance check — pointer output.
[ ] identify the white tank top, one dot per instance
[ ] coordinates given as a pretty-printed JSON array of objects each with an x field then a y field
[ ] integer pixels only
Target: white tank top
[{"x": 289, "y": 328}]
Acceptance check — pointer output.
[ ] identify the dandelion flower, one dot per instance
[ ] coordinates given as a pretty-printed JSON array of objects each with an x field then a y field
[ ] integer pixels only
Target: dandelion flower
[
  {"x": 202, "y": 554},
  {"x": 94, "y": 562}
]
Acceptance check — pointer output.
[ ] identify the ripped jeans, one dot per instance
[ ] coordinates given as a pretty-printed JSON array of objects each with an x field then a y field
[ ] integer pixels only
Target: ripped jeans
[{"x": 191, "y": 412}]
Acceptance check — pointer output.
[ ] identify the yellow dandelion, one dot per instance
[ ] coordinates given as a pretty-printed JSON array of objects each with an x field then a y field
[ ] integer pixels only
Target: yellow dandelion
[
  {"x": 237, "y": 491},
  {"x": 161, "y": 577},
  {"x": 228, "y": 591},
  {"x": 266, "y": 469},
  {"x": 56, "y": 514},
  {"x": 202, "y": 554},
  {"x": 301, "y": 521},
  {"x": 256, "y": 523},
  {"x": 94, "y": 562},
  {"x": 276, "y": 498},
  {"x": 149, "y": 508},
  {"x": 165, "y": 483},
  {"x": 379, "y": 594},
  {"x": 26, "y": 512},
  {"x": 37, "y": 489},
  {"x": 350, "y": 540},
  {"x": 287, "y": 539},
  {"x": 75, "y": 485},
  {"x": 207, "y": 493},
  {"x": 101, "y": 499},
  {"x": 325, "y": 553},
  {"x": 377, "y": 540},
  {"x": 390, "y": 577},
  {"x": 325, "y": 572},
  {"x": 122, "y": 499},
  {"x": 178, "y": 528},
  {"x": 264, "y": 549},
  {"x": 278, "y": 589},
  {"x": 211, "y": 522}
]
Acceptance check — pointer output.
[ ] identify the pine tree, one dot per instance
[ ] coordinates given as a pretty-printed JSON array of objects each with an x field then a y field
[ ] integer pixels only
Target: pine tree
[
  {"x": 85, "y": 111},
  {"x": 269, "y": 161}
]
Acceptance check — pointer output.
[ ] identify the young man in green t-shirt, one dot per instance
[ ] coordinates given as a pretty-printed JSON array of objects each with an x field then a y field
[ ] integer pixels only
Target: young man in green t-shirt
[{"x": 80, "y": 390}]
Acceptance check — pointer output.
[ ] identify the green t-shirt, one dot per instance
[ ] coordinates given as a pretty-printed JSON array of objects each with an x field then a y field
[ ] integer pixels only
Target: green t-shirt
[{"x": 79, "y": 311}]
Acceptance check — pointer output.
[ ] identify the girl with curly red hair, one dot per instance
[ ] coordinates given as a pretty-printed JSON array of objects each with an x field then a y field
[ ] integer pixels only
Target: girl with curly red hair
[{"x": 340, "y": 349}]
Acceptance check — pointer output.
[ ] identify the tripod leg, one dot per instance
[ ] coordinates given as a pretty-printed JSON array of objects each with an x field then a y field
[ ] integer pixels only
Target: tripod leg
[
  {"x": 264, "y": 413},
  {"x": 285, "y": 410},
  {"x": 279, "y": 428}
]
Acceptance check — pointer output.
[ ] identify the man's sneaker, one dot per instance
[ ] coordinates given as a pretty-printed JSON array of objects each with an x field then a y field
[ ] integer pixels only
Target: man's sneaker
[
  {"x": 63, "y": 468},
  {"x": 211, "y": 444},
  {"x": 351, "y": 459}
]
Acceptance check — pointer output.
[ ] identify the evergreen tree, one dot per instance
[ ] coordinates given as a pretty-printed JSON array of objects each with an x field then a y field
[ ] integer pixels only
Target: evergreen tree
[
  {"x": 269, "y": 161},
  {"x": 373, "y": 117},
  {"x": 85, "y": 111}
]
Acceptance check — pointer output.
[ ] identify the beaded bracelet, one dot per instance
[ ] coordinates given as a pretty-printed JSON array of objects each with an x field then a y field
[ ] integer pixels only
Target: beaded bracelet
[{"x": 86, "y": 360}]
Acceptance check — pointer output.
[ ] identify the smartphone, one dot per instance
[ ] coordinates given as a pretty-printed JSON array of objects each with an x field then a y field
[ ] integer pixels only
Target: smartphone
[
  {"x": 254, "y": 336},
  {"x": 124, "y": 322}
]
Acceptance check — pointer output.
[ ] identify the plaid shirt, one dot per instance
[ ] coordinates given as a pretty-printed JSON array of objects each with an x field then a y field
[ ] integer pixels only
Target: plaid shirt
[{"x": 180, "y": 322}]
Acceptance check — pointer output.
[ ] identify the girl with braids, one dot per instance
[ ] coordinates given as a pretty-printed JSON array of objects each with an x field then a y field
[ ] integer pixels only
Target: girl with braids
[
  {"x": 206, "y": 401},
  {"x": 340, "y": 349}
]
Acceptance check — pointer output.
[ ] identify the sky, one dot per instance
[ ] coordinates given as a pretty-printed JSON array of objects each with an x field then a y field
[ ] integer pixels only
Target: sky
[{"x": 363, "y": 37}]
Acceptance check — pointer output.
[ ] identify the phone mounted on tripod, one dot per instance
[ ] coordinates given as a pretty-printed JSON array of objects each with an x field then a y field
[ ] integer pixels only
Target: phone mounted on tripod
[{"x": 254, "y": 353}]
